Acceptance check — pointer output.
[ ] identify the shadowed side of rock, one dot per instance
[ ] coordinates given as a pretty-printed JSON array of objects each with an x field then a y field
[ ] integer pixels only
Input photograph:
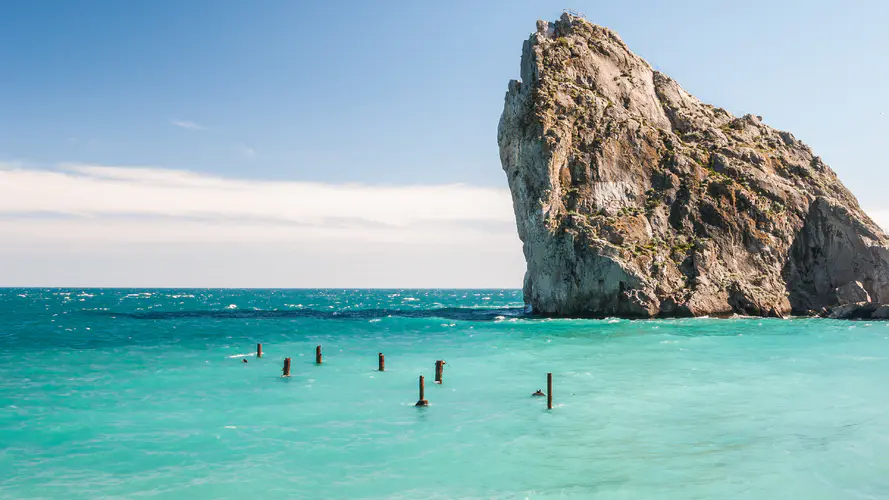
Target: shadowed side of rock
[{"x": 832, "y": 254}]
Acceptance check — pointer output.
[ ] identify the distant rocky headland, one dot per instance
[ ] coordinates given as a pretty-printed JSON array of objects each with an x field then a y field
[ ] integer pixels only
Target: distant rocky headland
[{"x": 635, "y": 199}]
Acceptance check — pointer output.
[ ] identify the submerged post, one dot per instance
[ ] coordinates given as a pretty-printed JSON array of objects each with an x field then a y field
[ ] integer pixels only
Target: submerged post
[
  {"x": 318, "y": 355},
  {"x": 422, "y": 401},
  {"x": 258, "y": 350},
  {"x": 549, "y": 391},
  {"x": 382, "y": 362},
  {"x": 286, "y": 367},
  {"x": 439, "y": 371}
]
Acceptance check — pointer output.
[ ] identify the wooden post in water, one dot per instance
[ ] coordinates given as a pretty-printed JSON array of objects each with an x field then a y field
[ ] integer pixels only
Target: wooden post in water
[
  {"x": 422, "y": 401},
  {"x": 318, "y": 355},
  {"x": 382, "y": 362},
  {"x": 549, "y": 391},
  {"x": 439, "y": 371},
  {"x": 286, "y": 367},
  {"x": 258, "y": 350}
]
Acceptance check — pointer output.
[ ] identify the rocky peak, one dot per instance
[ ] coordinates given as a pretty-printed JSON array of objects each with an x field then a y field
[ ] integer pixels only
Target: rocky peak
[{"x": 633, "y": 198}]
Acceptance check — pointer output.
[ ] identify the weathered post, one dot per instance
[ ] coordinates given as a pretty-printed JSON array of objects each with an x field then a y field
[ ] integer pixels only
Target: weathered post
[
  {"x": 422, "y": 401},
  {"x": 549, "y": 391},
  {"x": 318, "y": 355},
  {"x": 439, "y": 371},
  {"x": 258, "y": 350},
  {"x": 286, "y": 367},
  {"x": 382, "y": 362}
]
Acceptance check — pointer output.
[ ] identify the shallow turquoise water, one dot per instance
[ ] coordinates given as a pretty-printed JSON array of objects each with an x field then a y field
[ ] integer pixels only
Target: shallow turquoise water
[{"x": 114, "y": 393}]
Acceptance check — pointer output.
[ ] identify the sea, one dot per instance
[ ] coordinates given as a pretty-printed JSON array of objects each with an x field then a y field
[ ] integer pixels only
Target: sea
[{"x": 113, "y": 393}]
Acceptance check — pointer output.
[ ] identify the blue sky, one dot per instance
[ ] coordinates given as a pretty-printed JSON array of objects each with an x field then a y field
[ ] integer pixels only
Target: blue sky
[{"x": 385, "y": 94}]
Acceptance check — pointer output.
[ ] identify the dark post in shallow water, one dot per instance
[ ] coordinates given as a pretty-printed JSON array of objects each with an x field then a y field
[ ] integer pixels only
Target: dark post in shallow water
[
  {"x": 318, "y": 355},
  {"x": 422, "y": 401},
  {"x": 549, "y": 391},
  {"x": 258, "y": 350},
  {"x": 286, "y": 367},
  {"x": 382, "y": 362},
  {"x": 439, "y": 371}
]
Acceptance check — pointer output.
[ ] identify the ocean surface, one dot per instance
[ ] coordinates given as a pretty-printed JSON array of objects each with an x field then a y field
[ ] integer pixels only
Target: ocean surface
[{"x": 144, "y": 394}]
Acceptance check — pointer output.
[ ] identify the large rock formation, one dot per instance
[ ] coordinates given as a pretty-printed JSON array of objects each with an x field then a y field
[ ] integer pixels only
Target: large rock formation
[{"x": 633, "y": 198}]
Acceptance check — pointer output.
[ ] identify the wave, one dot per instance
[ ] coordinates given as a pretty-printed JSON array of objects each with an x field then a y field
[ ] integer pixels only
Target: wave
[{"x": 451, "y": 313}]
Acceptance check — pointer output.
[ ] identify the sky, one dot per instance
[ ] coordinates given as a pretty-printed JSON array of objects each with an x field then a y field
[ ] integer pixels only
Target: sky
[{"x": 279, "y": 143}]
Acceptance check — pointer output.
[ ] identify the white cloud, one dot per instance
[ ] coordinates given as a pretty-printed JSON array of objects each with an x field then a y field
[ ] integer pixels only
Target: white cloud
[
  {"x": 314, "y": 234},
  {"x": 98, "y": 190},
  {"x": 187, "y": 124}
]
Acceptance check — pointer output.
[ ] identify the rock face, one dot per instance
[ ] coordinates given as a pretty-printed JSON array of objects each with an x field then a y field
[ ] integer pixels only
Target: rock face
[
  {"x": 633, "y": 198},
  {"x": 852, "y": 293}
]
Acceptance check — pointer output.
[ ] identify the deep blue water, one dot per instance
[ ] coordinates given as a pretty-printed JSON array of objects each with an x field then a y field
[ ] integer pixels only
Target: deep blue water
[{"x": 125, "y": 393}]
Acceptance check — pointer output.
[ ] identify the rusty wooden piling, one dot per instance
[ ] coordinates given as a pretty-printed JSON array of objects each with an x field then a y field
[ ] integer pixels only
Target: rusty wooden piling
[
  {"x": 382, "y": 362},
  {"x": 549, "y": 391},
  {"x": 286, "y": 367},
  {"x": 318, "y": 355},
  {"x": 439, "y": 371},
  {"x": 422, "y": 401},
  {"x": 258, "y": 350}
]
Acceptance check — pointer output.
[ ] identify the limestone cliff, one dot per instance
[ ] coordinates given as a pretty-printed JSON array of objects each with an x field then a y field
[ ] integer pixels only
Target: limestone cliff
[{"x": 633, "y": 198}]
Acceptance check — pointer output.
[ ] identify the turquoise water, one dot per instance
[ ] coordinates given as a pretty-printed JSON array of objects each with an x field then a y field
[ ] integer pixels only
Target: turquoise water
[{"x": 119, "y": 393}]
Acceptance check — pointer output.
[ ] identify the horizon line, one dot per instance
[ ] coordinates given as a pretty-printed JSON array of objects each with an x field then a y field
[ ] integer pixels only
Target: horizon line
[{"x": 37, "y": 287}]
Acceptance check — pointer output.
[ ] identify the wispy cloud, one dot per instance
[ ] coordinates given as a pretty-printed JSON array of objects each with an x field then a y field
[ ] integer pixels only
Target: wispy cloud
[
  {"x": 11, "y": 165},
  {"x": 187, "y": 125},
  {"x": 100, "y": 190},
  {"x": 316, "y": 234},
  {"x": 247, "y": 151}
]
